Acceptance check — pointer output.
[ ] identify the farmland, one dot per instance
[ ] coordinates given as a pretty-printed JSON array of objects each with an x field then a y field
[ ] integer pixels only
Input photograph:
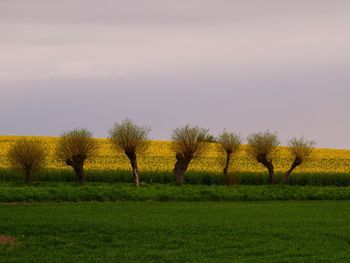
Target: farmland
[
  {"x": 159, "y": 162},
  {"x": 54, "y": 219},
  {"x": 177, "y": 232}
]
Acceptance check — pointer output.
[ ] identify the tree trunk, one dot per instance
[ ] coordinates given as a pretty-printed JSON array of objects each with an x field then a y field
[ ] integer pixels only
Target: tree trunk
[
  {"x": 135, "y": 172},
  {"x": 268, "y": 164},
  {"x": 286, "y": 176},
  {"x": 271, "y": 174},
  {"x": 228, "y": 159},
  {"x": 297, "y": 162},
  {"x": 133, "y": 162},
  {"x": 77, "y": 163},
  {"x": 180, "y": 168},
  {"x": 79, "y": 171}
]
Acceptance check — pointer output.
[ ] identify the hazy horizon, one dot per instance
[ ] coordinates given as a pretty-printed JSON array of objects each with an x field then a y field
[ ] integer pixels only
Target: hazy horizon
[{"x": 247, "y": 66}]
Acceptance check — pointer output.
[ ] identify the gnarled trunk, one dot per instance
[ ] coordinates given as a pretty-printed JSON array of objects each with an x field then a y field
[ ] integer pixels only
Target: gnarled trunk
[
  {"x": 227, "y": 164},
  {"x": 268, "y": 164},
  {"x": 133, "y": 162},
  {"x": 297, "y": 162},
  {"x": 77, "y": 163},
  {"x": 182, "y": 162},
  {"x": 79, "y": 171},
  {"x": 271, "y": 174}
]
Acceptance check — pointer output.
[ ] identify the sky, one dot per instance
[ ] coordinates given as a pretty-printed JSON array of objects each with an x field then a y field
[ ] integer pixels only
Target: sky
[{"x": 243, "y": 65}]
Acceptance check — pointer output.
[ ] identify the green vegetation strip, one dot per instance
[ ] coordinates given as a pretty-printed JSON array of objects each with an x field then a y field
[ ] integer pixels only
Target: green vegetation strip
[
  {"x": 191, "y": 177},
  {"x": 177, "y": 232},
  {"x": 72, "y": 192}
]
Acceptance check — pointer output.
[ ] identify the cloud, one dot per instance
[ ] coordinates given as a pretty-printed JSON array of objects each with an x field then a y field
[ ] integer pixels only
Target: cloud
[
  {"x": 117, "y": 39},
  {"x": 97, "y": 51}
]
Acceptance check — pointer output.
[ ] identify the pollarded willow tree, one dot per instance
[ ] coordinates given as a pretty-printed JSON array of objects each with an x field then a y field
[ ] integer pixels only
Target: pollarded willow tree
[
  {"x": 263, "y": 148},
  {"x": 132, "y": 139},
  {"x": 301, "y": 151},
  {"x": 228, "y": 144},
  {"x": 74, "y": 148},
  {"x": 27, "y": 156},
  {"x": 188, "y": 143}
]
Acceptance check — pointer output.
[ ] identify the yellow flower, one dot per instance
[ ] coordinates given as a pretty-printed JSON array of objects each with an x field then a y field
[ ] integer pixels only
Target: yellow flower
[{"x": 159, "y": 157}]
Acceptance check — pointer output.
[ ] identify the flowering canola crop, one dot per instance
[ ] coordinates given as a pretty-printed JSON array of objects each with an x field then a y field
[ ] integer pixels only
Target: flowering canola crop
[{"x": 159, "y": 157}]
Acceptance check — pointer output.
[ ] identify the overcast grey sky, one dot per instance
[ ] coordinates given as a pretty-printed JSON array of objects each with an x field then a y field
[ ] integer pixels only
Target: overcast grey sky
[{"x": 245, "y": 65}]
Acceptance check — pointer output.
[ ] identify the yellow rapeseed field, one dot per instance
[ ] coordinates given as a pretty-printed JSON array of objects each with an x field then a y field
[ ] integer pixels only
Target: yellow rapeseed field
[{"x": 160, "y": 158}]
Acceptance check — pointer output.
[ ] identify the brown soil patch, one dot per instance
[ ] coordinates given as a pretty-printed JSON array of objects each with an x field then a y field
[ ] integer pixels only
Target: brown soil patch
[{"x": 7, "y": 240}]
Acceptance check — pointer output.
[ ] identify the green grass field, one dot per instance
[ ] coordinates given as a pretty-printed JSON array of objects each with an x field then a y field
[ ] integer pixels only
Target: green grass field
[
  {"x": 52, "y": 222},
  {"x": 73, "y": 192},
  {"x": 177, "y": 232}
]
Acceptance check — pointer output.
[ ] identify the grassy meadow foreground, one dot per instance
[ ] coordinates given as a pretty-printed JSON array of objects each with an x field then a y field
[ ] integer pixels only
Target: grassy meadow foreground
[
  {"x": 332, "y": 166},
  {"x": 177, "y": 232}
]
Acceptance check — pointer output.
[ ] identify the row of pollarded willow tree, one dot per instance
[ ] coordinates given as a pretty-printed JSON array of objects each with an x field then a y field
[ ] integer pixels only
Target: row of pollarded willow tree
[{"x": 75, "y": 147}]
